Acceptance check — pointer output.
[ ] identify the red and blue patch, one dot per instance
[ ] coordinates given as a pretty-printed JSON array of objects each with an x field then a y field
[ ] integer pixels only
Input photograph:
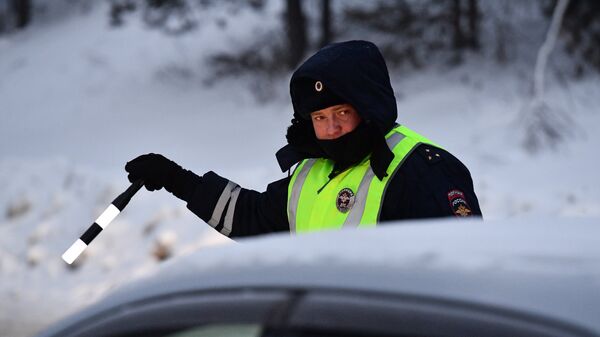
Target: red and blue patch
[{"x": 459, "y": 204}]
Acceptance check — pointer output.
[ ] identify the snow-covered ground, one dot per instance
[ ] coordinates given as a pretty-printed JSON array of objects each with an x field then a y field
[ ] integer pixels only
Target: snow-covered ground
[{"x": 79, "y": 99}]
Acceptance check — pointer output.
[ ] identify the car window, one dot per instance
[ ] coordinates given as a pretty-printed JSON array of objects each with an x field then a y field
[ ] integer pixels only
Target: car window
[{"x": 229, "y": 330}]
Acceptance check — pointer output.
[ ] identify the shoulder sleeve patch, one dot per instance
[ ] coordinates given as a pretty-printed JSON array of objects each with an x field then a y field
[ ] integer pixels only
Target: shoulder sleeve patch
[
  {"x": 458, "y": 204},
  {"x": 430, "y": 153}
]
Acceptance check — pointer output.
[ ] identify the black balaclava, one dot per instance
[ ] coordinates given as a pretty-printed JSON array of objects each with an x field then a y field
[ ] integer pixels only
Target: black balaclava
[{"x": 348, "y": 149}]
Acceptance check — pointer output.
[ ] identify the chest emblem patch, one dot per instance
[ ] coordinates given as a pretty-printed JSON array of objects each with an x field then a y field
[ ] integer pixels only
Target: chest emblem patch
[{"x": 345, "y": 200}]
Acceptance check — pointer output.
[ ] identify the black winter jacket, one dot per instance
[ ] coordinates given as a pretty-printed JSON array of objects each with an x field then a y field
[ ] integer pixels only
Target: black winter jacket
[{"x": 419, "y": 190}]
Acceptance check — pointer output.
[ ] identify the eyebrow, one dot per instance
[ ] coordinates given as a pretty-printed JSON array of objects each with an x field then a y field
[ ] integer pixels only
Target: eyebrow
[
  {"x": 343, "y": 107},
  {"x": 320, "y": 112}
]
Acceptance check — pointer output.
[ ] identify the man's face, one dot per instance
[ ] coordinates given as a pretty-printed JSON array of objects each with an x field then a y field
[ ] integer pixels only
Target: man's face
[{"x": 335, "y": 121}]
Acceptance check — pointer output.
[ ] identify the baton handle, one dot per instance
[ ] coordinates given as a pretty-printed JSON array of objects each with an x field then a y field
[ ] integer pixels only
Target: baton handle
[{"x": 124, "y": 198}]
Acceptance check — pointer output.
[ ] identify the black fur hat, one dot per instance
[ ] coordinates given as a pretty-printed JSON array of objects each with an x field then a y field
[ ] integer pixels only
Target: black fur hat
[{"x": 312, "y": 95}]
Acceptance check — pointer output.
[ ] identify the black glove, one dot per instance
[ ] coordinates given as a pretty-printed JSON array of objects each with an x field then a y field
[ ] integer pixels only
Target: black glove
[
  {"x": 156, "y": 171},
  {"x": 301, "y": 136}
]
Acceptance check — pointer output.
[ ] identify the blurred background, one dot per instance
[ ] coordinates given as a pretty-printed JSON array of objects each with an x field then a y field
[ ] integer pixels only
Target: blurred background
[{"x": 510, "y": 87}]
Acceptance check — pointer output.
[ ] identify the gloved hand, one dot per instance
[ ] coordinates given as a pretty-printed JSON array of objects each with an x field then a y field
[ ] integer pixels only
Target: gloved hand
[{"x": 156, "y": 171}]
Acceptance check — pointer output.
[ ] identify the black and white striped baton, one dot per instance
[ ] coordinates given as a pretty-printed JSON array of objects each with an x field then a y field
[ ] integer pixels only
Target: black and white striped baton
[{"x": 102, "y": 222}]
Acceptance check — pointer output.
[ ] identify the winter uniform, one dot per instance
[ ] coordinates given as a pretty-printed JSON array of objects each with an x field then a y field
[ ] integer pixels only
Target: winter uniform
[{"x": 399, "y": 174}]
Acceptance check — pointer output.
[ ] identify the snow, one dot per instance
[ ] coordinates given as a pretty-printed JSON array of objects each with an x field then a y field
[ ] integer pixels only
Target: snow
[
  {"x": 456, "y": 244},
  {"x": 79, "y": 99}
]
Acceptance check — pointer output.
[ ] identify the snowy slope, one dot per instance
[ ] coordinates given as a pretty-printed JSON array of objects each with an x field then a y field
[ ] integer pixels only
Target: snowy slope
[{"x": 78, "y": 100}]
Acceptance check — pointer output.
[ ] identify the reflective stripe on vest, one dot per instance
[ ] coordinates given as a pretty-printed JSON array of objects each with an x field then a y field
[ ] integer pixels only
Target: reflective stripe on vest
[{"x": 311, "y": 210}]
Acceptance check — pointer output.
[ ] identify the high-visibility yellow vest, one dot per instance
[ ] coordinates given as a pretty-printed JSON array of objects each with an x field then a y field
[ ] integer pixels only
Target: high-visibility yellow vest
[{"x": 353, "y": 198}]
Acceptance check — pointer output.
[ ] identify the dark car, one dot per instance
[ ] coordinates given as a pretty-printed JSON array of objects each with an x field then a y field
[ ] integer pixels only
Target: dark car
[{"x": 432, "y": 278}]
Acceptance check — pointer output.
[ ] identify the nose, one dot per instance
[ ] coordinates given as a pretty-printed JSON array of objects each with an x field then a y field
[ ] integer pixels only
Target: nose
[{"x": 334, "y": 128}]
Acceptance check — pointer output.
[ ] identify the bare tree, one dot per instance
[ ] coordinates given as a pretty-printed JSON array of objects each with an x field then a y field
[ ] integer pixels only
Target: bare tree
[
  {"x": 326, "y": 32},
  {"x": 502, "y": 31},
  {"x": 296, "y": 32},
  {"x": 14, "y": 14},
  {"x": 474, "y": 18},
  {"x": 22, "y": 12},
  {"x": 545, "y": 125},
  {"x": 459, "y": 36},
  {"x": 2, "y": 22},
  {"x": 581, "y": 28},
  {"x": 465, "y": 26}
]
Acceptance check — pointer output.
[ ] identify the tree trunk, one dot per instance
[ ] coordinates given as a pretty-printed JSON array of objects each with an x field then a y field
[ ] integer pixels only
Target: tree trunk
[
  {"x": 459, "y": 37},
  {"x": 546, "y": 49},
  {"x": 2, "y": 24},
  {"x": 22, "y": 11},
  {"x": 326, "y": 32},
  {"x": 296, "y": 32},
  {"x": 473, "y": 25},
  {"x": 545, "y": 125},
  {"x": 502, "y": 32}
]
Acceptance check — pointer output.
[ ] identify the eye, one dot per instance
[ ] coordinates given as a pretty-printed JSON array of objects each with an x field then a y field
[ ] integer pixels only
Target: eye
[
  {"x": 318, "y": 118},
  {"x": 344, "y": 114}
]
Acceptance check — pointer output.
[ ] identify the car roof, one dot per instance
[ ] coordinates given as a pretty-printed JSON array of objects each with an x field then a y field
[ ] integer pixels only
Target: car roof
[{"x": 548, "y": 267}]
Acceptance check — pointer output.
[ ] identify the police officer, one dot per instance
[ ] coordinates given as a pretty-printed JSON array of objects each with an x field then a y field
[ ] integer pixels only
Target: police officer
[{"x": 355, "y": 166}]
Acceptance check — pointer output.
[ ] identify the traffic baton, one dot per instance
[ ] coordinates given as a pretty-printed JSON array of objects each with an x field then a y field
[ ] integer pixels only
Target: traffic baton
[{"x": 102, "y": 222}]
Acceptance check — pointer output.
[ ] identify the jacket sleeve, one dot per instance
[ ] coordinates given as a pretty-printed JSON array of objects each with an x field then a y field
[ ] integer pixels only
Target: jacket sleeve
[
  {"x": 235, "y": 211},
  {"x": 430, "y": 183}
]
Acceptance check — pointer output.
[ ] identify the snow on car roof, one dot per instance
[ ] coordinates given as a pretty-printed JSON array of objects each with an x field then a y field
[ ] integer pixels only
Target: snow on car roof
[{"x": 546, "y": 266}]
